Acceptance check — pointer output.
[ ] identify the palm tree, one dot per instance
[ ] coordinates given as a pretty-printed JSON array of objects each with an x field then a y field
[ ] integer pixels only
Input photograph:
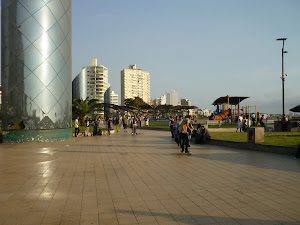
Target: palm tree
[{"x": 82, "y": 107}]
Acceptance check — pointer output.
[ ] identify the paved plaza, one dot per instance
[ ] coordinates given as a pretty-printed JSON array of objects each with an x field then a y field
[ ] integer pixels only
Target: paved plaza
[{"x": 142, "y": 179}]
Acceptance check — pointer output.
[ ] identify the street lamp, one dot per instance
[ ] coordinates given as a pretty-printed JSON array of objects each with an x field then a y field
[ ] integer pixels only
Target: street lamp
[{"x": 282, "y": 75}]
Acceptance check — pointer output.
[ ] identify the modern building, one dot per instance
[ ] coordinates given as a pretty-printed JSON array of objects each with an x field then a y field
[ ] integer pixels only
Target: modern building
[
  {"x": 205, "y": 112},
  {"x": 172, "y": 98},
  {"x": 135, "y": 83},
  {"x": 114, "y": 98},
  {"x": 185, "y": 102},
  {"x": 0, "y": 94},
  {"x": 36, "y": 70},
  {"x": 92, "y": 82}
]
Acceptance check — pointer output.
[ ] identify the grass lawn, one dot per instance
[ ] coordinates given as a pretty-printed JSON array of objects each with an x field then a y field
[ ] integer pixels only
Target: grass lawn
[
  {"x": 271, "y": 138},
  {"x": 166, "y": 125},
  {"x": 159, "y": 124}
]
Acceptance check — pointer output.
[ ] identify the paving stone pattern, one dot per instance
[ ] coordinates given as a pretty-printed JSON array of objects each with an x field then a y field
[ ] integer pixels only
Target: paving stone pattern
[{"x": 142, "y": 179}]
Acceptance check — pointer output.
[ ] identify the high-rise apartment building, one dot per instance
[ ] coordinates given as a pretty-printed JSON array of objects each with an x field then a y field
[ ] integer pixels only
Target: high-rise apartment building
[
  {"x": 135, "y": 83},
  {"x": 92, "y": 82},
  {"x": 185, "y": 102},
  {"x": 114, "y": 98},
  {"x": 172, "y": 98}
]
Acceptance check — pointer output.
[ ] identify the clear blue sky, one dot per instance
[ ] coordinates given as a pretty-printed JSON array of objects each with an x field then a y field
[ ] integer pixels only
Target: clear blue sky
[{"x": 202, "y": 49}]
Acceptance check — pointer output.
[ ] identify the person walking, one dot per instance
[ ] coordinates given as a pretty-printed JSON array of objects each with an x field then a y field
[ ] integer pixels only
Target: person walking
[
  {"x": 134, "y": 125},
  {"x": 99, "y": 122},
  {"x": 258, "y": 118},
  {"x": 239, "y": 123},
  {"x": 178, "y": 130},
  {"x": 109, "y": 125},
  {"x": 125, "y": 123},
  {"x": 95, "y": 126},
  {"x": 117, "y": 122},
  {"x": 184, "y": 137},
  {"x": 284, "y": 121},
  {"x": 87, "y": 127},
  {"x": 190, "y": 128},
  {"x": 171, "y": 125},
  {"x": 262, "y": 121},
  {"x": 76, "y": 126}
]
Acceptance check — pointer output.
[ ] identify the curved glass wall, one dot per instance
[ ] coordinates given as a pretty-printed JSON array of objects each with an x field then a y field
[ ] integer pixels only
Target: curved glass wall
[{"x": 36, "y": 64}]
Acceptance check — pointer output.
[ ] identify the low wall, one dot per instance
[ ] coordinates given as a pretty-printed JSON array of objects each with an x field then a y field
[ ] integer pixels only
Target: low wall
[{"x": 255, "y": 147}]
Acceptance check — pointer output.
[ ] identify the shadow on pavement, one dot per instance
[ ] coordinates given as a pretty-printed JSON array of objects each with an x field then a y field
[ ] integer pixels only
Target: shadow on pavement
[{"x": 197, "y": 219}]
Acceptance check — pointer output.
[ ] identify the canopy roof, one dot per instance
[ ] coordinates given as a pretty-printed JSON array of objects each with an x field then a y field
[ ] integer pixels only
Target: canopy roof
[
  {"x": 149, "y": 107},
  {"x": 232, "y": 100},
  {"x": 295, "y": 109},
  {"x": 183, "y": 107}
]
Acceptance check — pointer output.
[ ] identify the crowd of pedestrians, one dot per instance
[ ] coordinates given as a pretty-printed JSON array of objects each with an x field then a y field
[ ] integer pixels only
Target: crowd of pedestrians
[
  {"x": 118, "y": 121},
  {"x": 182, "y": 131}
]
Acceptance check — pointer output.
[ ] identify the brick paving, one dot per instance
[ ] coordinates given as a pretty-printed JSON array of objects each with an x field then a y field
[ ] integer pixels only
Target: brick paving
[{"x": 125, "y": 179}]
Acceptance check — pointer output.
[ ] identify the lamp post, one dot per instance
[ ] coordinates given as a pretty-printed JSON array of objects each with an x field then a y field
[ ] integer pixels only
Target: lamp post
[{"x": 282, "y": 75}]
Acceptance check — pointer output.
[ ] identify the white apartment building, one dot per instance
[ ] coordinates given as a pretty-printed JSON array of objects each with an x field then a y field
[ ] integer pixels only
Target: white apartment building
[
  {"x": 172, "y": 98},
  {"x": 135, "y": 83},
  {"x": 92, "y": 82},
  {"x": 114, "y": 98}
]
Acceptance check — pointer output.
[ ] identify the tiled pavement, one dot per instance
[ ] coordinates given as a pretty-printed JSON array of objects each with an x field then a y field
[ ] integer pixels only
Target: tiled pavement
[{"x": 125, "y": 179}]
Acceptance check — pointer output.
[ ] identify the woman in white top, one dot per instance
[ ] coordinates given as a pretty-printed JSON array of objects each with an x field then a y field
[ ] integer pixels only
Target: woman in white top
[{"x": 240, "y": 123}]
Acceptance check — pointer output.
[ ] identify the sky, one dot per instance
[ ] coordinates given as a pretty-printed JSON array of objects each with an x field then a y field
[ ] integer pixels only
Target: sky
[{"x": 202, "y": 49}]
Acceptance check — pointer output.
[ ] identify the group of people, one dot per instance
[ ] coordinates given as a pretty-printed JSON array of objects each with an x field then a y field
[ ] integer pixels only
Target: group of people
[
  {"x": 97, "y": 123},
  {"x": 243, "y": 122},
  {"x": 182, "y": 131},
  {"x": 124, "y": 121}
]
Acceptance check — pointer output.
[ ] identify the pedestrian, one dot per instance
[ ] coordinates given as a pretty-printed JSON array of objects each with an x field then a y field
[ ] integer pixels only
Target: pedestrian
[
  {"x": 117, "y": 122},
  {"x": 178, "y": 130},
  {"x": 147, "y": 121},
  {"x": 175, "y": 128},
  {"x": 109, "y": 125},
  {"x": 99, "y": 126},
  {"x": 171, "y": 125},
  {"x": 125, "y": 123},
  {"x": 184, "y": 136},
  {"x": 190, "y": 128},
  {"x": 87, "y": 127},
  {"x": 284, "y": 121},
  {"x": 253, "y": 119},
  {"x": 95, "y": 126},
  {"x": 262, "y": 121},
  {"x": 76, "y": 126},
  {"x": 245, "y": 124},
  {"x": 258, "y": 118},
  {"x": 134, "y": 125},
  {"x": 239, "y": 123}
]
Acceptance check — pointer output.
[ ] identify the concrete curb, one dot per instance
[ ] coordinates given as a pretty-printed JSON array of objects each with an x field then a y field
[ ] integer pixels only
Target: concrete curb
[
  {"x": 255, "y": 147},
  {"x": 104, "y": 132}
]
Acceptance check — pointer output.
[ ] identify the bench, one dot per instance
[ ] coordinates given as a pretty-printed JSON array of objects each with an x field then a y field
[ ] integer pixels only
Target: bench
[{"x": 214, "y": 122}]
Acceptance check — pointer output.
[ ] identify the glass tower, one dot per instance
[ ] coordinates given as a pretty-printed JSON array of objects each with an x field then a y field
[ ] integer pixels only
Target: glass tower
[{"x": 36, "y": 70}]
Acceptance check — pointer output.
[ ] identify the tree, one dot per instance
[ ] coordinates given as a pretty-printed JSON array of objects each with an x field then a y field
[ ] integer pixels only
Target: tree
[
  {"x": 85, "y": 107},
  {"x": 135, "y": 102}
]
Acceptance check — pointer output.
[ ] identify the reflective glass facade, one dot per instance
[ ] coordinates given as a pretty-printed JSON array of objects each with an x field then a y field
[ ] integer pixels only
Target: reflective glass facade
[{"x": 36, "y": 64}]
